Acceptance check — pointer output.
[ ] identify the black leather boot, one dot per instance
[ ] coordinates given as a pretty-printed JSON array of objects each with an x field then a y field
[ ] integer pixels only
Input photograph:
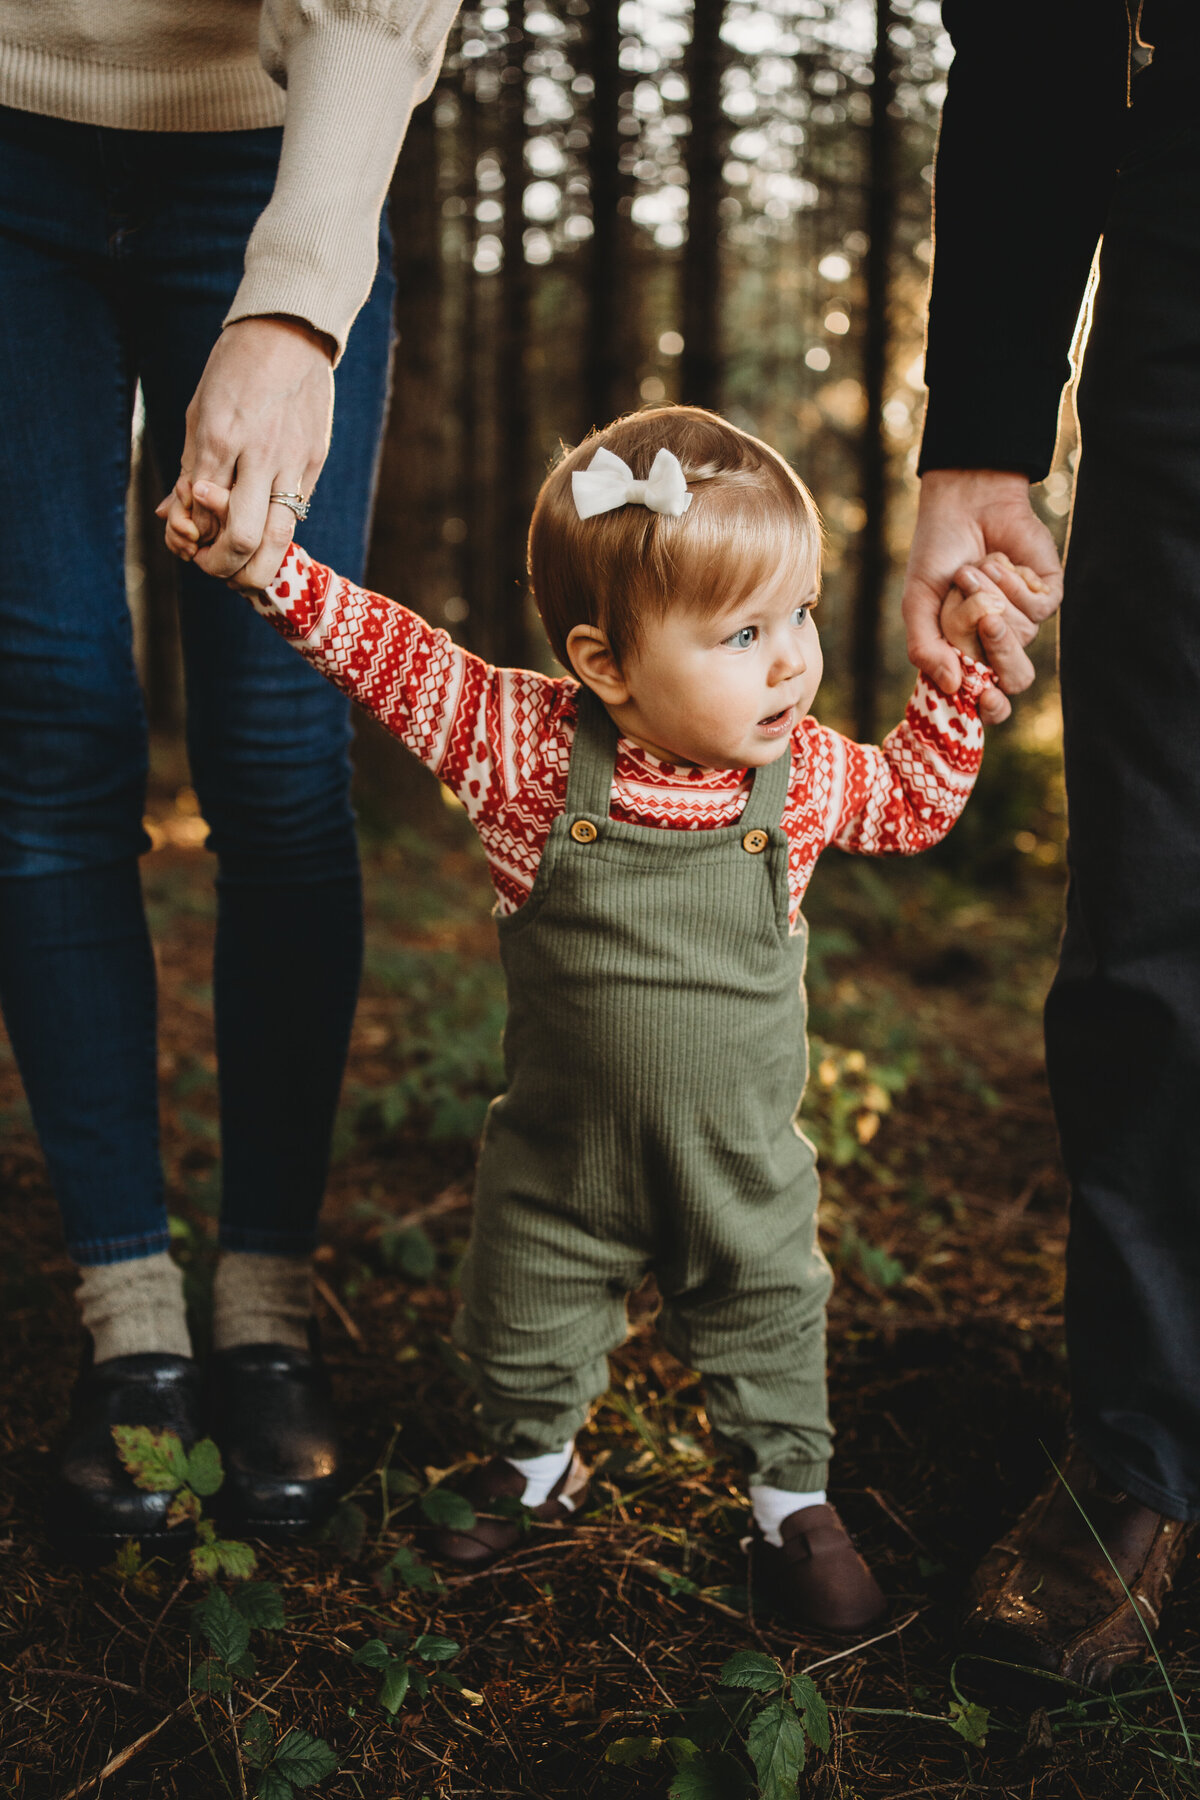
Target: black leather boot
[
  {"x": 270, "y": 1409},
  {"x": 94, "y": 1503}
]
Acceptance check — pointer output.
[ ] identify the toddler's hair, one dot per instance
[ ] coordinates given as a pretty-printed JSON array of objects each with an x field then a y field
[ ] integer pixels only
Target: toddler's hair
[{"x": 750, "y": 517}]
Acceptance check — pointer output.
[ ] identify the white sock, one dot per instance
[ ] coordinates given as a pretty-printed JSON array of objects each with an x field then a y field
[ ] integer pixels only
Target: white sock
[
  {"x": 541, "y": 1472},
  {"x": 261, "y": 1300},
  {"x": 773, "y": 1505},
  {"x": 133, "y": 1307}
]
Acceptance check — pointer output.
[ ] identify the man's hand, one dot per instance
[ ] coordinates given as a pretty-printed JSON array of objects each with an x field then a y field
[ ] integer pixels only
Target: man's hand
[
  {"x": 259, "y": 422},
  {"x": 983, "y": 517}
]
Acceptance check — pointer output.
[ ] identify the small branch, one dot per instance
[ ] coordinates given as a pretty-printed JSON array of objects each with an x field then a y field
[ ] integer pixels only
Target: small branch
[
  {"x": 118, "y": 1687},
  {"x": 865, "y": 1645},
  {"x": 123, "y": 1756},
  {"x": 645, "y": 1668},
  {"x": 157, "y": 1626},
  {"x": 335, "y": 1306}
]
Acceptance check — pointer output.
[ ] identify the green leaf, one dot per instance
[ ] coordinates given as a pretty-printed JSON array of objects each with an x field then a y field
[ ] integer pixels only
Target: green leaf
[
  {"x": 420, "y": 1681},
  {"x": 681, "y": 1750},
  {"x": 235, "y": 1559},
  {"x": 303, "y": 1759},
  {"x": 442, "y": 1506},
  {"x": 245, "y": 1666},
  {"x": 394, "y": 1686},
  {"x": 970, "y": 1721},
  {"x": 414, "y": 1573},
  {"x": 632, "y": 1749},
  {"x": 715, "y": 1775},
  {"x": 274, "y": 1786},
  {"x": 227, "y": 1632},
  {"x": 204, "y": 1471},
  {"x": 813, "y": 1711},
  {"x": 156, "y": 1460},
  {"x": 205, "y": 1566},
  {"x": 374, "y": 1654},
  {"x": 751, "y": 1669},
  {"x": 411, "y": 1251},
  {"x": 348, "y": 1530},
  {"x": 128, "y": 1561},
  {"x": 436, "y": 1649},
  {"x": 184, "y": 1505},
  {"x": 676, "y": 1585},
  {"x": 775, "y": 1741},
  {"x": 401, "y": 1485},
  {"x": 208, "y": 1677},
  {"x": 258, "y": 1740},
  {"x": 260, "y": 1604}
]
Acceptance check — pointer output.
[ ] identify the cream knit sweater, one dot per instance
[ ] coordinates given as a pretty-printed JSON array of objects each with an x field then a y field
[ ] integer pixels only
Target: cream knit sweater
[{"x": 353, "y": 70}]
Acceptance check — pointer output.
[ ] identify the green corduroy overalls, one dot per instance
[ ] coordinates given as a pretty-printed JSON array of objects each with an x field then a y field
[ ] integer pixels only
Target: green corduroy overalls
[{"x": 655, "y": 1051}]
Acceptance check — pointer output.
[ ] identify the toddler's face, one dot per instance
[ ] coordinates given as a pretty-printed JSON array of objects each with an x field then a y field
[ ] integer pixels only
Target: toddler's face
[{"x": 725, "y": 692}]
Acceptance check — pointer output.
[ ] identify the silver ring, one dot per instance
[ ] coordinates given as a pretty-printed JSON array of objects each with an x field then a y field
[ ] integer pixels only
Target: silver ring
[{"x": 294, "y": 502}]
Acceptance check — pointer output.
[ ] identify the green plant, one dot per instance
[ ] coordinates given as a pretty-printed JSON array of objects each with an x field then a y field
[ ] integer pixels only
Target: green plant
[
  {"x": 225, "y": 1621},
  {"x": 392, "y": 1657},
  {"x": 296, "y": 1761},
  {"x": 847, "y": 1100},
  {"x": 158, "y": 1463}
]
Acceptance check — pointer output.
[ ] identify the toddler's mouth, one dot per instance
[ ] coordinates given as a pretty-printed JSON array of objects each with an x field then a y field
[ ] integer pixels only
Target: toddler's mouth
[{"x": 776, "y": 718}]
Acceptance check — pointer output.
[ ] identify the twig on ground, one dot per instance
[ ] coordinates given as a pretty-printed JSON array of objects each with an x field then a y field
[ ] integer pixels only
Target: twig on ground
[
  {"x": 839, "y": 1655},
  {"x": 645, "y": 1668},
  {"x": 157, "y": 1626},
  {"x": 897, "y": 1519},
  {"x": 105, "y": 1681},
  {"x": 123, "y": 1756},
  {"x": 335, "y": 1306}
]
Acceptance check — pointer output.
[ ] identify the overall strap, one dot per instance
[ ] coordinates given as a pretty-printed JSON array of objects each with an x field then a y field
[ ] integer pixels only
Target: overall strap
[
  {"x": 768, "y": 794},
  {"x": 593, "y": 757}
]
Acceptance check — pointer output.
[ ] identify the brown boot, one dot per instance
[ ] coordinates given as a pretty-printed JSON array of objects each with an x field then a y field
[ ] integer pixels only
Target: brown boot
[
  {"x": 494, "y": 1534},
  {"x": 1046, "y": 1594},
  {"x": 818, "y": 1577}
]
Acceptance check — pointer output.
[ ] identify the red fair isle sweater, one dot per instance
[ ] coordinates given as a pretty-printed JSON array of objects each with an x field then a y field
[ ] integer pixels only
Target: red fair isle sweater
[{"x": 501, "y": 741}]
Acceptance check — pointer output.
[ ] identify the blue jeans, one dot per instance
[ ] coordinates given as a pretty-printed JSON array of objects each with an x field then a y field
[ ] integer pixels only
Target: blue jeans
[{"x": 119, "y": 255}]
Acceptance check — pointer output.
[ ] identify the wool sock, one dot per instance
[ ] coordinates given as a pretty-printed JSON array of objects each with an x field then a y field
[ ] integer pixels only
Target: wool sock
[
  {"x": 134, "y": 1306},
  {"x": 261, "y": 1300},
  {"x": 541, "y": 1472},
  {"x": 773, "y": 1505}
]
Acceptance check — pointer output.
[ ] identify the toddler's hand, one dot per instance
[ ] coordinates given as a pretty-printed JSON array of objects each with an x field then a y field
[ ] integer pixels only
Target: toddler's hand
[
  {"x": 182, "y": 532},
  {"x": 977, "y": 616}
]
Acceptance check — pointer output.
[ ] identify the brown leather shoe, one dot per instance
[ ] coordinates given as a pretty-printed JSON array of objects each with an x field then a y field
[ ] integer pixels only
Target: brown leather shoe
[
  {"x": 495, "y": 1533},
  {"x": 1047, "y": 1596},
  {"x": 818, "y": 1575}
]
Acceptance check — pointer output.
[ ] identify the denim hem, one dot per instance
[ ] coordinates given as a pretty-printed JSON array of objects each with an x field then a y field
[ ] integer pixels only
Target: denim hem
[
  {"x": 267, "y": 1243},
  {"x": 89, "y": 1252},
  {"x": 1159, "y": 1499}
]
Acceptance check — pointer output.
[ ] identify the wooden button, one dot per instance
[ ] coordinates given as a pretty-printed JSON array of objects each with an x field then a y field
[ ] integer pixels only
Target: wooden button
[
  {"x": 755, "y": 841},
  {"x": 583, "y": 831}
]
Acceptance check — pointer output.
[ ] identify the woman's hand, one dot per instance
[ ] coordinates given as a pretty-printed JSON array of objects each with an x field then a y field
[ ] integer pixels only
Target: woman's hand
[{"x": 259, "y": 423}]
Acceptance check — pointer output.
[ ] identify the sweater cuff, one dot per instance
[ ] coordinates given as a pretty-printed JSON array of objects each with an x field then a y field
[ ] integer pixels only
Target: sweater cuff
[
  {"x": 352, "y": 85},
  {"x": 993, "y": 418}
]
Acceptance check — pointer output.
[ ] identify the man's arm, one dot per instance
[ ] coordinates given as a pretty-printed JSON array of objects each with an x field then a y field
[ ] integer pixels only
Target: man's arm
[
  {"x": 260, "y": 419},
  {"x": 1026, "y": 162}
]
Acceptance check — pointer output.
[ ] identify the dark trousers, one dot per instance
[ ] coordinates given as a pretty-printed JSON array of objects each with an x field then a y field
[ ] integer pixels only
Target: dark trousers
[
  {"x": 119, "y": 255},
  {"x": 1123, "y": 1017}
]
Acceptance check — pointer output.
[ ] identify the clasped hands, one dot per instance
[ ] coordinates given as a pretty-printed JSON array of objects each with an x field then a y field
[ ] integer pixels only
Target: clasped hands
[{"x": 259, "y": 423}]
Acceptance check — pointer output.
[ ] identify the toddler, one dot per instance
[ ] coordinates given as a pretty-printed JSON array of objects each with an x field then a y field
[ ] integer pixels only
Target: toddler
[{"x": 651, "y": 821}]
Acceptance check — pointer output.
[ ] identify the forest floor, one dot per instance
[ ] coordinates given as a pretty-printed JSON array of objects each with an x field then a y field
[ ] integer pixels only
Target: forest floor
[{"x": 944, "y": 1216}]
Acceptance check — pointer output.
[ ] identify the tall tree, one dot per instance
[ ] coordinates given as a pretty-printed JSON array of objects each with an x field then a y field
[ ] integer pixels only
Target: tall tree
[
  {"x": 508, "y": 634},
  {"x": 873, "y": 542},
  {"x": 701, "y": 309},
  {"x": 605, "y": 376}
]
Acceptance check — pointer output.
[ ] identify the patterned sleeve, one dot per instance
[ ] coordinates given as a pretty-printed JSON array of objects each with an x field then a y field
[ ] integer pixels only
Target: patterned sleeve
[
  {"x": 454, "y": 711},
  {"x": 904, "y": 795}
]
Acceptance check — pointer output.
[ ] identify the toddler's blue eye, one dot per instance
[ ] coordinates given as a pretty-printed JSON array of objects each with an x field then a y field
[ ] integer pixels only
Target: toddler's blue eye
[
  {"x": 800, "y": 616},
  {"x": 742, "y": 640}
]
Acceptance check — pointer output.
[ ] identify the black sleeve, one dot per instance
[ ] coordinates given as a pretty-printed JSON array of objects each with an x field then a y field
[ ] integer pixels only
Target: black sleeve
[{"x": 1026, "y": 160}]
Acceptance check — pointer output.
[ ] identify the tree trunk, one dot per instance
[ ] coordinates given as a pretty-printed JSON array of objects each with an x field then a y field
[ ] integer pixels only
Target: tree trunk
[
  {"x": 873, "y": 556},
  {"x": 515, "y": 501},
  {"x": 605, "y": 379},
  {"x": 700, "y": 370}
]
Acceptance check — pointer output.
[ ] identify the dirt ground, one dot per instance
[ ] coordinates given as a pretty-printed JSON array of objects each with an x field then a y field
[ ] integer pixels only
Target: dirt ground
[{"x": 944, "y": 1215}]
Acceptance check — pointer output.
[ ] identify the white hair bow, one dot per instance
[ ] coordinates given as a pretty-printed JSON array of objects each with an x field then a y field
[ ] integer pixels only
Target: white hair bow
[{"x": 607, "y": 482}]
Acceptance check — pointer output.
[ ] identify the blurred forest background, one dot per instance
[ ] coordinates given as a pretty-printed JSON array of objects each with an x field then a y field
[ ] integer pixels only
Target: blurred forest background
[{"x": 725, "y": 203}]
